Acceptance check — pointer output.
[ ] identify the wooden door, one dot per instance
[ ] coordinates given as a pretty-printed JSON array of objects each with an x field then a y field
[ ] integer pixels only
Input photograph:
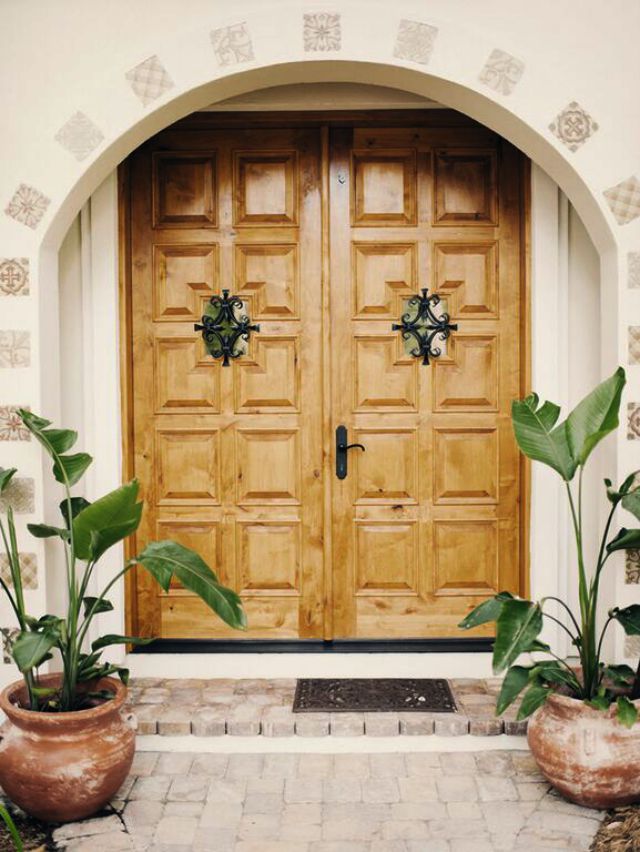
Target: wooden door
[
  {"x": 427, "y": 521},
  {"x": 229, "y": 458},
  {"x": 325, "y": 232}
]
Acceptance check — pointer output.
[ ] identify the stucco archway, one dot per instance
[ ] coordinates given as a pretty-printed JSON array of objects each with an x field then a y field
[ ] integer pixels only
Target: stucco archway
[{"x": 446, "y": 64}]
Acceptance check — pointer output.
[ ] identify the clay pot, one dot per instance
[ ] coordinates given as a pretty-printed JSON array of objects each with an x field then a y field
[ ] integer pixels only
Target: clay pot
[
  {"x": 586, "y": 754},
  {"x": 61, "y": 767}
]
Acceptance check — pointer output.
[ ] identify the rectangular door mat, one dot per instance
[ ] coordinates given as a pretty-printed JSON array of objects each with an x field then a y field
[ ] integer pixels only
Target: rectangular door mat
[{"x": 429, "y": 695}]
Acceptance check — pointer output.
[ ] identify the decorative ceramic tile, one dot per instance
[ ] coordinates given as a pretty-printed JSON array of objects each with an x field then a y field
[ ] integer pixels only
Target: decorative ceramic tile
[
  {"x": 79, "y": 136},
  {"x": 149, "y": 80},
  {"x": 15, "y": 349},
  {"x": 415, "y": 41},
  {"x": 27, "y": 206},
  {"x": 573, "y": 126},
  {"x": 633, "y": 333},
  {"x": 632, "y": 646},
  {"x": 633, "y": 421},
  {"x": 11, "y": 426},
  {"x": 232, "y": 44},
  {"x": 624, "y": 200},
  {"x": 501, "y": 72},
  {"x": 632, "y": 566},
  {"x": 633, "y": 269},
  {"x": 19, "y": 494},
  {"x": 322, "y": 31},
  {"x": 14, "y": 276},
  {"x": 28, "y": 570},
  {"x": 8, "y": 635}
]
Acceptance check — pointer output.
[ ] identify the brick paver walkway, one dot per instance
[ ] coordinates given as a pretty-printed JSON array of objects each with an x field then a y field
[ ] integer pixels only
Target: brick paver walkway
[
  {"x": 425, "y": 802},
  {"x": 217, "y": 707}
]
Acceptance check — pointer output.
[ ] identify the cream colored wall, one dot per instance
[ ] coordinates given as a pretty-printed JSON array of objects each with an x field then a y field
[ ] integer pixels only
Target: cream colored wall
[{"x": 84, "y": 56}]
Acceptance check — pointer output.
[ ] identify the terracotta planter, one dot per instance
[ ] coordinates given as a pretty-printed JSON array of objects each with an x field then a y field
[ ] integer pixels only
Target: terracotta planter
[
  {"x": 64, "y": 766},
  {"x": 586, "y": 754}
]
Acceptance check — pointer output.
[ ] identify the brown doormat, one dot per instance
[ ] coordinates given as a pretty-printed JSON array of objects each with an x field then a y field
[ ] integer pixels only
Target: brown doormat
[{"x": 371, "y": 695}]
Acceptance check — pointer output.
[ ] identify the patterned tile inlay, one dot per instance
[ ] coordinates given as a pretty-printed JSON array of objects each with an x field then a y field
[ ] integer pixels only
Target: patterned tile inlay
[
  {"x": 232, "y": 44},
  {"x": 15, "y": 349},
  {"x": 633, "y": 269},
  {"x": 415, "y": 41},
  {"x": 149, "y": 80},
  {"x": 501, "y": 72},
  {"x": 633, "y": 421},
  {"x": 634, "y": 344},
  {"x": 14, "y": 276},
  {"x": 573, "y": 126},
  {"x": 322, "y": 31},
  {"x": 28, "y": 570},
  {"x": 19, "y": 494},
  {"x": 27, "y": 206},
  {"x": 11, "y": 426},
  {"x": 624, "y": 200},
  {"x": 79, "y": 136},
  {"x": 632, "y": 566},
  {"x": 8, "y": 635}
]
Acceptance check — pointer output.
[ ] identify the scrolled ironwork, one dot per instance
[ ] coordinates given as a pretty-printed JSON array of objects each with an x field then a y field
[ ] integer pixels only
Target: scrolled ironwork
[
  {"x": 424, "y": 326},
  {"x": 223, "y": 328}
]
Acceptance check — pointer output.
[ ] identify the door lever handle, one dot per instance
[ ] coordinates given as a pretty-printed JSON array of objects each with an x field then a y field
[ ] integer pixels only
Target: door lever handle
[{"x": 342, "y": 448}]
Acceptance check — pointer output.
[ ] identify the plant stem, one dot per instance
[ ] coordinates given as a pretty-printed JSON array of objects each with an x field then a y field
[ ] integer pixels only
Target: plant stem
[
  {"x": 571, "y": 615},
  {"x": 90, "y": 614}
]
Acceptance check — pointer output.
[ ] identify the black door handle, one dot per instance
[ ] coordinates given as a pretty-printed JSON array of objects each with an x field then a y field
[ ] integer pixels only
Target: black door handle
[{"x": 342, "y": 447}]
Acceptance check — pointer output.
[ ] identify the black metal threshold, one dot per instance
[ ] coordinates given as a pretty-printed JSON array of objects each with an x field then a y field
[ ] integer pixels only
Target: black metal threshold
[{"x": 316, "y": 646}]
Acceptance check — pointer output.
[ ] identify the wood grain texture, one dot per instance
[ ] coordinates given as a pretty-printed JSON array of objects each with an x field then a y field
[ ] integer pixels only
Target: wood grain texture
[{"x": 325, "y": 230}]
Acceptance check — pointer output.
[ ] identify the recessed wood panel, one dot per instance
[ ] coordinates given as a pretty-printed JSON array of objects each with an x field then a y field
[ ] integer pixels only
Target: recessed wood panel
[
  {"x": 267, "y": 274},
  {"x": 384, "y": 187},
  {"x": 466, "y": 276},
  {"x": 185, "y": 380},
  {"x": 268, "y": 554},
  {"x": 382, "y": 273},
  {"x": 465, "y": 464},
  {"x": 187, "y": 470},
  {"x": 386, "y": 557},
  {"x": 465, "y": 187},
  {"x": 267, "y": 378},
  {"x": 183, "y": 277},
  {"x": 201, "y": 536},
  {"x": 468, "y": 379},
  {"x": 466, "y": 557},
  {"x": 265, "y": 188},
  {"x": 387, "y": 471},
  {"x": 383, "y": 380},
  {"x": 268, "y": 466},
  {"x": 184, "y": 190}
]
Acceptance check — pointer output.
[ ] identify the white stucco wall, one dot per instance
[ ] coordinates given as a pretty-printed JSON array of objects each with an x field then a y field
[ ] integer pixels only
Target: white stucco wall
[{"x": 73, "y": 56}]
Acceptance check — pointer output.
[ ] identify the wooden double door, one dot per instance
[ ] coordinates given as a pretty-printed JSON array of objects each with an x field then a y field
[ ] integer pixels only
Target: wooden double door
[{"x": 325, "y": 231}]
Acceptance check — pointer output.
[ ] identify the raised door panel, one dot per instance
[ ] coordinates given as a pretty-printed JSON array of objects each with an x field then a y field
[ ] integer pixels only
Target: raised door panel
[
  {"x": 384, "y": 378},
  {"x": 267, "y": 378},
  {"x": 382, "y": 274},
  {"x": 267, "y": 276},
  {"x": 184, "y": 190},
  {"x": 466, "y": 557},
  {"x": 468, "y": 380},
  {"x": 384, "y": 187},
  {"x": 387, "y": 471},
  {"x": 266, "y": 188},
  {"x": 386, "y": 555},
  {"x": 268, "y": 466},
  {"x": 187, "y": 467},
  {"x": 269, "y": 556},
  {"x": 185, "y": 380},
  {"x": 465, "y": 466},
  {"x": 184, "y": 277},
  {"x": 465, "y": 187},
  {"x": 466, "y": 275}
]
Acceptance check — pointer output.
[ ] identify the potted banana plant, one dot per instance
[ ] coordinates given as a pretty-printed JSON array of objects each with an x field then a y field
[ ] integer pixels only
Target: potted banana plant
[
  {"x": 67, "y": 746},
  {"x": 583, "y": 732}
]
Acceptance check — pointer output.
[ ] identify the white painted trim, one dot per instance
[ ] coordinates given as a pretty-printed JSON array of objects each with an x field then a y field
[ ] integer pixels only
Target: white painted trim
[
  {"x": 549, "y": 520},
  {"x": 329, "y": 745}
]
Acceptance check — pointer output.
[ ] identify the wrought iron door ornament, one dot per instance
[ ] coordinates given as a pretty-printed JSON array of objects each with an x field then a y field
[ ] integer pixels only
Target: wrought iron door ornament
[
  {"x": 424, "y": 326},
  {"x": 223, "y": 327}
]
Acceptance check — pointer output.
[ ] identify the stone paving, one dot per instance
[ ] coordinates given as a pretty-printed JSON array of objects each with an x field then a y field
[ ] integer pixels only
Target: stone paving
[
  {"x": 412, "y": 802},
  {"x": 213, "y": 708}
]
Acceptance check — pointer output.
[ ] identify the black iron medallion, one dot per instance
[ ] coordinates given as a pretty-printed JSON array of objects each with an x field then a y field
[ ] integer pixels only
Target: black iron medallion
[
  {"x": 422, "y": 325},
  {"x": 224, "y": 326}
]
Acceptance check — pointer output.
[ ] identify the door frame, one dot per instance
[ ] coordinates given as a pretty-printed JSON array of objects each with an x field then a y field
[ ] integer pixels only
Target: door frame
[{"x": 323, "y": 120}]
